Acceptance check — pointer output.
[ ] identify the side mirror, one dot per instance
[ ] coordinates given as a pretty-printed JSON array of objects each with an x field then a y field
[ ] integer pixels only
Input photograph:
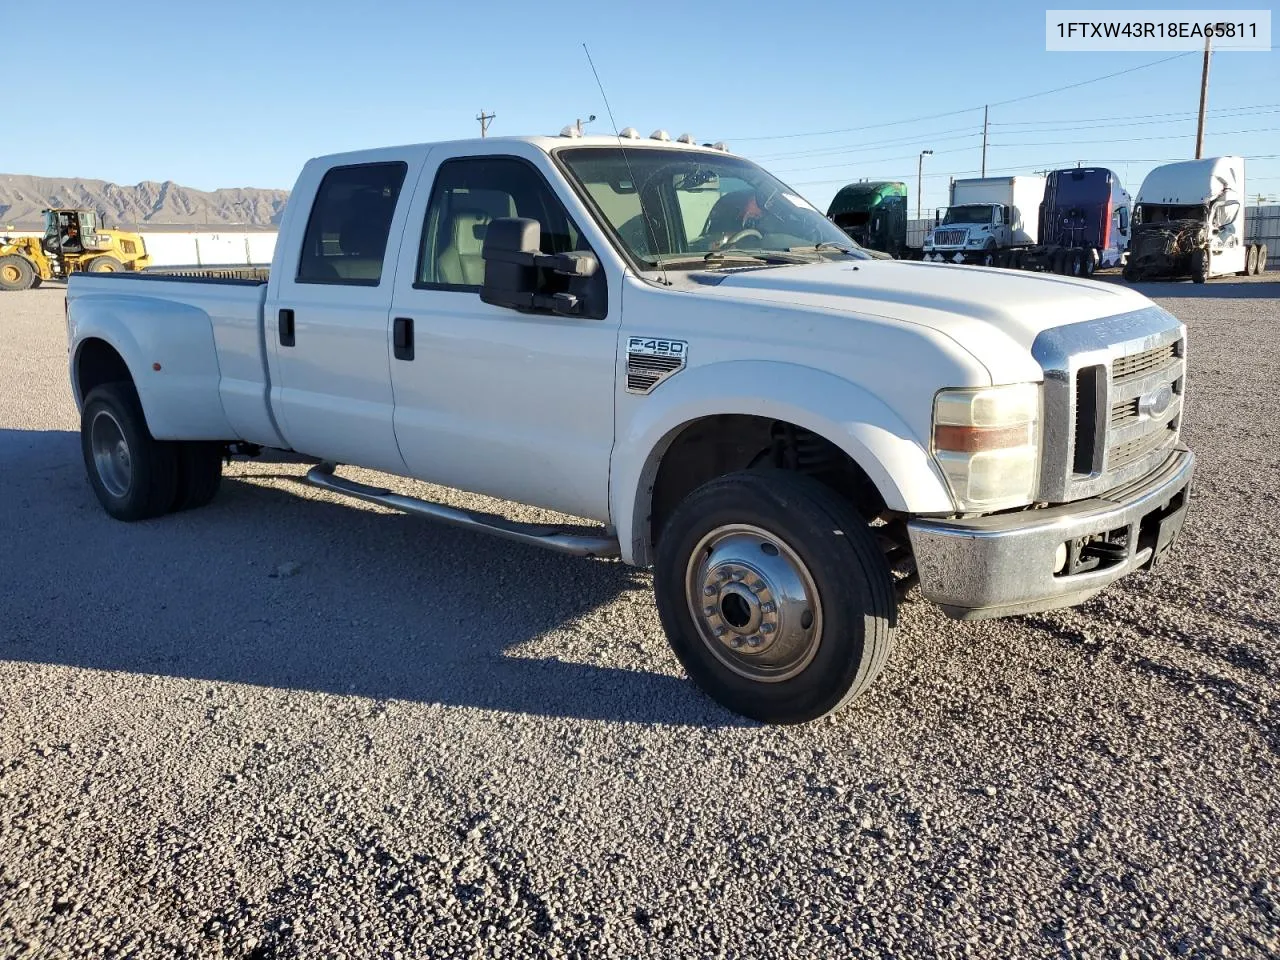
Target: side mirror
[{"x": 513, "y": 256}]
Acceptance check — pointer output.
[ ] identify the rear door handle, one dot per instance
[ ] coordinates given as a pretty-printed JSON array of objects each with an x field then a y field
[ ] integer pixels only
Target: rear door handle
[
  {"x": 286, "y": 328},
  {"x": 402, "y": 338}
]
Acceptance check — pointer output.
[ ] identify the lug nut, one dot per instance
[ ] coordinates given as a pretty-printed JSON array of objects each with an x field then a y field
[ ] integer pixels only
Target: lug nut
[
  {"x": 767, "y": 628},
  {"x": 759, "y": 586},
  {"x": 754, "y": 641},
  {"x": 721, "y": 631},
  {"x": 709, "y": 590},
  {"x": 768, "y": 607},
  {"x": 709, "y": 611},
  {"x": 737, "y": 643}
]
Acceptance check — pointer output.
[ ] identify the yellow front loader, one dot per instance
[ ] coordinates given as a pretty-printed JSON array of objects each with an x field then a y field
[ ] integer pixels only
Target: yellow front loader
[{"x": 72, "y": 242}]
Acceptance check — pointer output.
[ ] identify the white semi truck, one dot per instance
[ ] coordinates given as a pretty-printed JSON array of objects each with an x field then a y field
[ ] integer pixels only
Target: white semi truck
[
  {"x": 1189, "y": 221},
  {"x": 666, "y": 340},
  {"x": 987, "y": 217}
]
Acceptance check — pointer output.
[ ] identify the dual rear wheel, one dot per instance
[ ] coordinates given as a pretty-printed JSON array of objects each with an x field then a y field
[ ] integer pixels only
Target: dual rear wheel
[{"x": 133, "y": 475}]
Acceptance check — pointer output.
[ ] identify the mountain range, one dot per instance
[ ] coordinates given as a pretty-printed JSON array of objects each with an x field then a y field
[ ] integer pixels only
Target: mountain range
[{"x": 147, "y": 204}]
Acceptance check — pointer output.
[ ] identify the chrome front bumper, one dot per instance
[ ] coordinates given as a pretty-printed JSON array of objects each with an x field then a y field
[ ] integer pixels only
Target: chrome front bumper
[{"x": 1003, "y": 565}]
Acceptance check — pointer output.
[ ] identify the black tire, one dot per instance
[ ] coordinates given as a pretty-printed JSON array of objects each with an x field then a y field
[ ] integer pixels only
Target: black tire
[
  {"x": 1075, "y": 263},
  {"x": 199, "y": 474},
  {"x": 105, "y": 265},
  {"x": 36, "y": 281},
  {"x": 989, "y": 254},
  {"x": 1131, "y": 273},
  {"x": 16, "y": 273},
  {"x": 1251, "y": 260},
  {"x": 1057, "y": 263},
  {"x": 855, "y": 608},
  {"x": 139, "y": 484},
  {"x": 1199, "y": 266},
  {"x": 1263, "y": 253},
  {"x": 1091, "y": 261}
]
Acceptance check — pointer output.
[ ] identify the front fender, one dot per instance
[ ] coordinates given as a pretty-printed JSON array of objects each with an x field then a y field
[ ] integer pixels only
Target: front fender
[
  {"x": 887, "y": 450},
  {"x": 180, "y": 400}
]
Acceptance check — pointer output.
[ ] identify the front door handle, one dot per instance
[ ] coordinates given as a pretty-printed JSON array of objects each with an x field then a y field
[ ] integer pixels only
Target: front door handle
[
  {"x": 286, "y": 328},
  {"x": 402, "y": 338}
]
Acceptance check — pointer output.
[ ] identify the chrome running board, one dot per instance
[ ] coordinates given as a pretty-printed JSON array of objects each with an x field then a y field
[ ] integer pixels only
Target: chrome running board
[{"x": 551, "y": 538}]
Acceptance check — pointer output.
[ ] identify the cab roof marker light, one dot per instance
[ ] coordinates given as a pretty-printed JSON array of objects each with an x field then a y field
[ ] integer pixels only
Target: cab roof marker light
[
  {"x": 686, "y": 138},
  {"x": 721, "y": 145},
  {"x": 570, "y": 130},
  {"x": 630, "y": 133},
  {"x": 659, "y": 135}
]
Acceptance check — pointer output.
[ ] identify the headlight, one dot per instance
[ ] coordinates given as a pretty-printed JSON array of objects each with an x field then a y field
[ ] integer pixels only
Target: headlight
[
  {"x": 987, "y": 442},
  {"x": 974, "y": 241}
]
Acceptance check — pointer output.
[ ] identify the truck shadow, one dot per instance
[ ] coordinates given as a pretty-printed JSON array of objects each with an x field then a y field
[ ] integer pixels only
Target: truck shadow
[{"x": 272, "y": 588}]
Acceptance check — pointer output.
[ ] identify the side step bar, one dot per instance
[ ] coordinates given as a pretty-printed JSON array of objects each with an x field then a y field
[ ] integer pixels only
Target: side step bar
[{"x": 552, "y": 538}]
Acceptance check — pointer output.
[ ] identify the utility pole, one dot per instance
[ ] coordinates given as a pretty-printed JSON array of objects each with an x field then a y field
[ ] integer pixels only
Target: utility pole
[
  {"x": 984, "y": 140},
  {"x": 920, "y": 179},
  {"x": 1204, "y": 97},
  {"x": 484, "y": 119}
]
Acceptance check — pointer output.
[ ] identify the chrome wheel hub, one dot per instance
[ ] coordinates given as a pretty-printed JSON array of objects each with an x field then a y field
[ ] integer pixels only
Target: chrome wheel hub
[
  {"x": 754, "y": 603},
  {"x": 111, "y": 457}
]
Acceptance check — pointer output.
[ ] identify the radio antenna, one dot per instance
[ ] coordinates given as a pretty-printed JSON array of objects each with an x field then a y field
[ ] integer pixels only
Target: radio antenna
[{"x": 648, "y": 225}]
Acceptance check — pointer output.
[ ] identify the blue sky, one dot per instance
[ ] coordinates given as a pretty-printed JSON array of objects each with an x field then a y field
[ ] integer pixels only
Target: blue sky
[{"x": 234, "y": 93}]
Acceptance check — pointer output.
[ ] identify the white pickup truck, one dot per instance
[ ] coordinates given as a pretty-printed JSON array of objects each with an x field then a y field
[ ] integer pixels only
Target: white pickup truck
[{"x": 663, "y": 338}]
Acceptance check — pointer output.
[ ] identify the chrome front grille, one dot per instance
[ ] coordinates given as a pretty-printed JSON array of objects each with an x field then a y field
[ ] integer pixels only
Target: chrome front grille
[
  {"x": 948, "y": 238},
  {"x": 1113, "y": 399},
  {"x": 1137, "y": 364}
]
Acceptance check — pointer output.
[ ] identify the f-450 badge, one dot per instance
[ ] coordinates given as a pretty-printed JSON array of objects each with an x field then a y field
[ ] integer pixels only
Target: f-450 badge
[{"x": 650, "y": 360}]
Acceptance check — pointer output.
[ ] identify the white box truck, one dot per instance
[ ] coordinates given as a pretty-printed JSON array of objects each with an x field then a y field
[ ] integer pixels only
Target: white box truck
[
  {"x": 1189, "y": 221},
  {"x": 987, "y": 217}
]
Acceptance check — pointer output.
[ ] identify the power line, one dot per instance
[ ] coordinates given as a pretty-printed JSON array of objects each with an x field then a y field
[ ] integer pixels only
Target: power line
[
  {"x": 1132, "y": 117},
  {"x": 1177, "y": 136},
  {"x": 1081, "y": 83},
  {"x": 956, "y": 113},
  {"x": 1039, "y": 165}
]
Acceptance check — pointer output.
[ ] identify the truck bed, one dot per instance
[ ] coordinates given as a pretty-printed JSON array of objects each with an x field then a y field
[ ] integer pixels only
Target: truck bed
[{"x": 195, "y": 343}]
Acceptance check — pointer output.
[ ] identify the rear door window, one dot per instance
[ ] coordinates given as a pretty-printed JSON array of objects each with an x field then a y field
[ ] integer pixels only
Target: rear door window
[{"x": 346, "y": 238}]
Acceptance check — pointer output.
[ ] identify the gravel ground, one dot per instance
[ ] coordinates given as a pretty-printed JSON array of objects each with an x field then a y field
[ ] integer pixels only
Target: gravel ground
[{"x": 292, "y": 726}]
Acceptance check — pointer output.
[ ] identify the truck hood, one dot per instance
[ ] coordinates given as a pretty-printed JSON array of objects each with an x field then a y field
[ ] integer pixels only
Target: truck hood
[{"x": 994, "y": 314}]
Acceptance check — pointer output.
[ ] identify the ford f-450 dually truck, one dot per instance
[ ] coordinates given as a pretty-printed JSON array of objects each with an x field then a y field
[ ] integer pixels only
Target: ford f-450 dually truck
[{"x": 663, "y": 338}]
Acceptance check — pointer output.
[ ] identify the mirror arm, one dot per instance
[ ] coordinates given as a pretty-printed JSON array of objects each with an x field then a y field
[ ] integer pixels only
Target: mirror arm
[{"x": 569, "y": 264}]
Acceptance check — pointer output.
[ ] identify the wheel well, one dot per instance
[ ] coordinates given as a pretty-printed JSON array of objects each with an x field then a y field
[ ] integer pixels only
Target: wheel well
[
  {"x": 97, "y": 362},
  {"x": 713, "y": 446}
]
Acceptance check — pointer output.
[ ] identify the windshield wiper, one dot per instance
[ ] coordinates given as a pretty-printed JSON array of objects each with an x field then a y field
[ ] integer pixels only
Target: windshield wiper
[
  {"x": 824, "y": 246},
  {"x": 760, "y": 256}
]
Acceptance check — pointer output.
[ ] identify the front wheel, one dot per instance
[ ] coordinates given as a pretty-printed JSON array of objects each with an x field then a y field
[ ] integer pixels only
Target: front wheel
[
  {"x": 774, "y": 595},
  {"x": 105, "y": 265},
  {"x": 1200, "y": 267},
  {"x": 1262, "y": 258}
]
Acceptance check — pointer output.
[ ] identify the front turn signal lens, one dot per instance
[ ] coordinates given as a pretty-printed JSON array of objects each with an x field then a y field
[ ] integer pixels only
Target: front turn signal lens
[{"x": 986, "y": 441}]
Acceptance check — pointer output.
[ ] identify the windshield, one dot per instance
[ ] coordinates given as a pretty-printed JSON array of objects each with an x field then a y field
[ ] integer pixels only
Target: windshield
[
  {"x": 683, "y": 206},
  {"x": 969, "y": 213}
]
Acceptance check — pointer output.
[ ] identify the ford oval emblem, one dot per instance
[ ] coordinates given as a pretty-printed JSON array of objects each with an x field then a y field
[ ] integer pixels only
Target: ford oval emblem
[{"x": 1155, "y": 403}]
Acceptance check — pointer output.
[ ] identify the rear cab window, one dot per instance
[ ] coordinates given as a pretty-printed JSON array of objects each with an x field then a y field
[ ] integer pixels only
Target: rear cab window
[{"x": 349, "y": 224}]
